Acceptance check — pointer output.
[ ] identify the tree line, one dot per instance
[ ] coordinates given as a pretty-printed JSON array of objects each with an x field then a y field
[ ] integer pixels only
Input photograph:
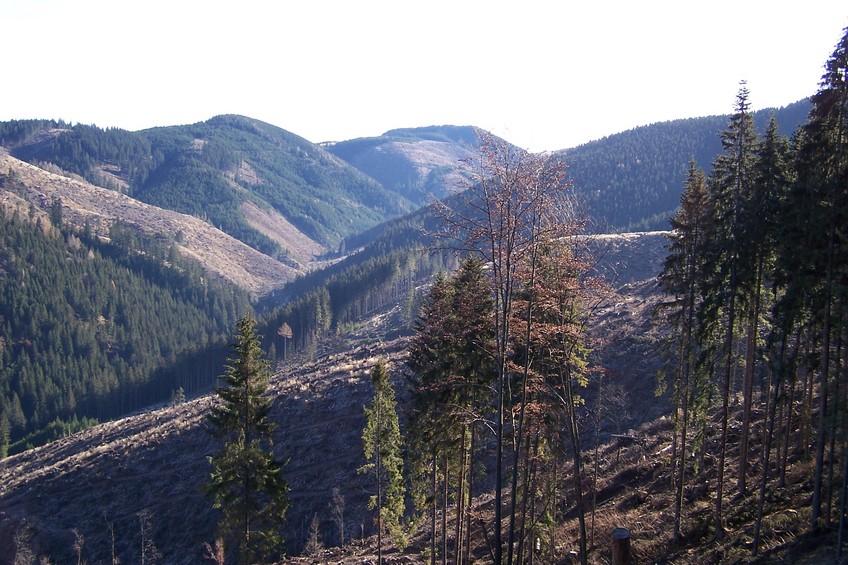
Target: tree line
[{"x": 757, "y": 300}]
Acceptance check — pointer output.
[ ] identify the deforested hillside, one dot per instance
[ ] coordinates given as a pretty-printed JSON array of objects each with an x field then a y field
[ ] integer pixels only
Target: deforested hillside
[
  {"x": 239, "y": 174},
  {"x": 420, "y": 164},
  {"x": 106, "y": 479},
  {"x": 84, "y": 207},
  {"x": 100, "y": 481}
]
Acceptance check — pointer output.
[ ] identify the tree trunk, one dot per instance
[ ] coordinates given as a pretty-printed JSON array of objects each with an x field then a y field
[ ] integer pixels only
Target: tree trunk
[
  {"x": 467, "y": 551},
  {"x": 460, "y": 500},
  {"x": 433, "y": 511},
  {"x": 825, "y": 376},
  {"x": 445, "y": 511},
  {"x": 725, "y": 407},
  {"x": 767, "y": 441},
  {"x": 748, "y": 384},
  {"x": 620, "y": 546}
]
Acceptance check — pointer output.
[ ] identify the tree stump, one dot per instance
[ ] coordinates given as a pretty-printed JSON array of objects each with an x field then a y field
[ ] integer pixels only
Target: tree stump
[{"x": 621, "y": 546}]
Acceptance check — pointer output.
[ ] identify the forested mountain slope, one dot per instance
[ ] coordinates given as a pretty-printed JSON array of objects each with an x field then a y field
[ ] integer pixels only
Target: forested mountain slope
[
  {"x": 241, "y": 175},
  {"x": 93, "y": 327},
  {"x": 632, "y": 181}
]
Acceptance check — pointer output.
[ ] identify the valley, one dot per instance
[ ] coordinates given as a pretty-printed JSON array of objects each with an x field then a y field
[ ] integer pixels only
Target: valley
[
  {"x": 98, "y": 480},
  {"x": 643, "y": 332}
]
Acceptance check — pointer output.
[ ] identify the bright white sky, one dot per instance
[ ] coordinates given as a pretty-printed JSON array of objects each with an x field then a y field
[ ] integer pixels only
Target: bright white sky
[{"x": 544, "y": 75}]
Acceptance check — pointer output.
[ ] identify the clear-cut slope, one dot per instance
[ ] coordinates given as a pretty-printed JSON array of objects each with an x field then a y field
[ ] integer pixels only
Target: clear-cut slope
[
  {"x": 156, "y": 461},
  {"x": 218, "y": 253},
  {"x": 417, "y": 163}
]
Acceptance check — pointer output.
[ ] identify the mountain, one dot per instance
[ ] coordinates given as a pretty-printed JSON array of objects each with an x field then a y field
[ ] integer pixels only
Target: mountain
[
  {"x": 628, "y": 181},
  {"x": 269, "y": 188},
  {"x": 127, "y": 256},
  {"x": 254, "y": 206},
  {"x": 418, "y": 163},
  {"x": 86, "y": 206},
  {"x": 632, "y": 181}
]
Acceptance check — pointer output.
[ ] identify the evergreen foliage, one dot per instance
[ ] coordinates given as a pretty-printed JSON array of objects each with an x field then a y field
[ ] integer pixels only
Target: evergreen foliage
[
  {"x": 630, "y": 181},
  {"x": 92, "y": 330},
  {"x": 247, "y": 483},
  {"x": 210, "y": 168},
  {"x": 335, "y": 298},
  {"x": 680, "y": 279},
  {"x": 767, "y": 286},
  {"x": 451, "y": 376},
  {"x": 383, "y": 447}
]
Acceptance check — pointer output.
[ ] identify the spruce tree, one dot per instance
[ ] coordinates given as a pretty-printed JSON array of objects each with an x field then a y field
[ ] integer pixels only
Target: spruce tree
[
  {"x": 823, "y": 195},
  {"x": 247, "y": 483},
  {"x": 728, "y": 265},
  {"x": 451, "y": 370},
  {"x": 383, "y": 444},
  {"x": 679, "y": 279}
]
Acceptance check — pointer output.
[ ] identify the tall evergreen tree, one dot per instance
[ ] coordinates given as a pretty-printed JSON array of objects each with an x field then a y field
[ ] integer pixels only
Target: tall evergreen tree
[
  {"x": 383, "y": 446},
  {"x": 823, "y": 193},
  {"x": 450, "y": 362},
  {"x": 679, "y": 279},
  {"x": 728, "y": 264},
  {"x": 247, "y": 483}
]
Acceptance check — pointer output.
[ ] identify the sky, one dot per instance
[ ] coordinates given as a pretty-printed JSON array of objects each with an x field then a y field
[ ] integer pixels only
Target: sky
[{"x": 544, "y": 75}]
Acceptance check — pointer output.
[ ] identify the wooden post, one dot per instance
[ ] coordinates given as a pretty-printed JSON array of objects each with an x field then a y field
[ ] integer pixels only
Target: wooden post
[{"x": 621, "y": 546}]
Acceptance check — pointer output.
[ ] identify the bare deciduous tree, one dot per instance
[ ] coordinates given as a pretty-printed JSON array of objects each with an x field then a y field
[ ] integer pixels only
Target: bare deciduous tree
[
  {"x": 337, "y": 510},
  {"x": 313, "y": 540}
]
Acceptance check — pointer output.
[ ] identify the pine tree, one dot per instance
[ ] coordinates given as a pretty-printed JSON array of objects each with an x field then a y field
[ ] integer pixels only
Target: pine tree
[
  {"x": 382, "y": 445},
  {"x": 247, "y": 483}
]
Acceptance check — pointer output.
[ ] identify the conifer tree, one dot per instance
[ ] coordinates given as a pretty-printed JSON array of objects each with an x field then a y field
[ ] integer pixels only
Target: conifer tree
[
  {"x": 247, "y": 483},
  {"x": 383, "y": 444},
  {"x": 451, "y": 374},
  {"x": 728, "y": 260},
  {"x": 822, "y": 195},
  {"x": 679, "y": 279},
  {"x": 773, "y": 180}
]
